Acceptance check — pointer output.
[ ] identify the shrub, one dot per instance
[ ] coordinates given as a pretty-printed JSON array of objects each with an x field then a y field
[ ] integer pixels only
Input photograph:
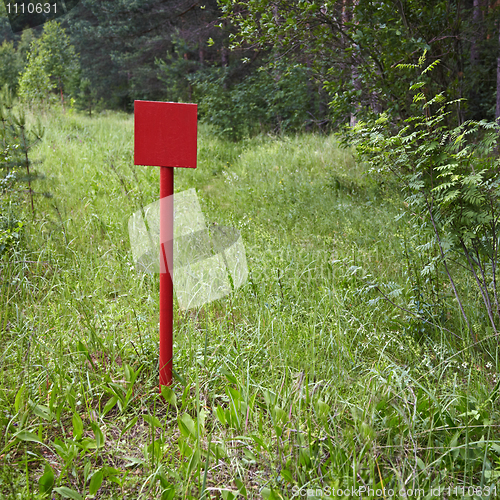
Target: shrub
[
  {"x": 51, "y": 63},
  {"x": 450, "y": 179},
  {"x": 274, "y": 98}
]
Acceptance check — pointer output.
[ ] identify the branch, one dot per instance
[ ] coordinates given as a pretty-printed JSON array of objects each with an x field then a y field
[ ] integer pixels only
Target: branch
[
  {"x": 494, "y": 258},
  {"x": 443, "y": 258}
]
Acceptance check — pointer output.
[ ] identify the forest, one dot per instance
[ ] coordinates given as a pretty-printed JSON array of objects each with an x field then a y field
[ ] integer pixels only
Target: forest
[
  {"x": 272, "y": 66},
  {"x": 353, "y": 147}
]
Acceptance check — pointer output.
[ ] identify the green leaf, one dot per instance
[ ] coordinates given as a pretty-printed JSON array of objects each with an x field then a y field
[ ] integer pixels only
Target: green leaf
[
  {"x": 95, "y": 482},
  {"x": 266, "y": 493},
  {"x": 287, "y": 475},
  {"x": 322, "y": 408},
  {"x": 420, "y": 464},
  {"x": 194, "y": 461},
  {"x": 133, "y": 461},
  {"x": 221, "y": 415},
  {"x": 87, "y": 444},
  {"x": 43, "y": 411},
  {"x": 68, "y": 493},
  {"x": 77, "y": 427},
  {"x": 19, "y": 399},
  {"x": 86, "y": 471},
  {"x": 168, "y": 494},
  {"x": 241, "y": 487},
  {"x": 280, "y": 415},
  {"x": 234, "y": 394},
  {"x": 184, "y": 448},
  {"x": 130, "y": 374},
  {"x": 109, "y": 405},
  {"x": 28, "y": 436},
  {"x": 169, "y": 395},
  {"x": 110, "y": 471},
  {"x": 153, "y": 421},
  {"x": 46, "y": 482},
  {"x": 417, "y": 85},
  {"x": 259, "y": 441},
  {"x": 186, "y": 425},
  {"x": 99, "y": 436},
  {"x": 229, "y": 376}
]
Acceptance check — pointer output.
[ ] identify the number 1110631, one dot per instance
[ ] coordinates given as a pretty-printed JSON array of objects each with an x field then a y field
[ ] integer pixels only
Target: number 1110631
[{"x": 31, "y": 8}]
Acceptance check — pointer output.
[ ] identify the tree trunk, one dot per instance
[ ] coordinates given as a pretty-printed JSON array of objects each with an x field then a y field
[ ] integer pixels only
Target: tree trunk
[
  {"x": 355, "y": 79},
  {"x": 224, "y": 56},
  {"x": 477, "y": 36},
  {"x": 497, "y": 111},
  {"x": 477, "y": 18},
  {"x": 348, "y": 67},
  {"x": 375, "y": 104},
  {"x": 201, "y": 53},
  {"x": 62, "y": 96},
  {"x": 223, "y": 51}
]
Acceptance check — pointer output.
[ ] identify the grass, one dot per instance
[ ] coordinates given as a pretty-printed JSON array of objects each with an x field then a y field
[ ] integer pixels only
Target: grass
[{"x": 300, "y": 383}]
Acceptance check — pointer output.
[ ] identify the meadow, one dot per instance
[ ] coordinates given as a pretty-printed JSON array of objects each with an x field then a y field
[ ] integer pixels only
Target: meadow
[{"x": 317, "y": 378}]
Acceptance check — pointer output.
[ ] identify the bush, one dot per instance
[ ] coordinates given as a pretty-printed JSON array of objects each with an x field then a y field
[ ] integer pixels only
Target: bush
[
  {"x": 10, "y": 224},
  {"x": 450, "y": 178},
  {"x": 274, "y": 98},
  {"x": 10, "y": 65}
]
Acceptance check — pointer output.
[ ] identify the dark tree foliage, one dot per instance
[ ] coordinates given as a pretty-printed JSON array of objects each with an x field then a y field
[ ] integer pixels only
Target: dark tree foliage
[
  {"x": 124, "y": 45},
  {"x": 24, "y": 15},
  {"x": 179, "y": 51},
  {"x": 241, "y": 59},
  {"x": 354, "y": 47}
]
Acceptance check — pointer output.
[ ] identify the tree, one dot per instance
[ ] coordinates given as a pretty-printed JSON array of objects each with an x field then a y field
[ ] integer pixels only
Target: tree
[
  {"x": 16, "y": 141},
  {"x": 127, "y": 47},
  {"x": 10, "y": 65},
  {"x": 51, "y": 63},
  {"x": 497, "y": 110},
  {"x": 86, "y": 96},
  {"x": 13, "y": 58},
  {"x": 355, "y": 46},
  {"x": 35, "y": 84}
]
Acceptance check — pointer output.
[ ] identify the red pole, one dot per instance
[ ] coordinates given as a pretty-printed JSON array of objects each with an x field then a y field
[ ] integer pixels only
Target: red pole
[{"x": 166, "y": 285}]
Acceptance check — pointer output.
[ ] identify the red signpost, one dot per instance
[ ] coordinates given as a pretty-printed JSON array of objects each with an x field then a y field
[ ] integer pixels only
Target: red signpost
[{"x": 165, "y": 135}]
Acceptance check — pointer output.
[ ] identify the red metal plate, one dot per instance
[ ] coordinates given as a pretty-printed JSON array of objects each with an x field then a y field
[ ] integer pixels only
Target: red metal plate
[{"x": 165, "y": 134}]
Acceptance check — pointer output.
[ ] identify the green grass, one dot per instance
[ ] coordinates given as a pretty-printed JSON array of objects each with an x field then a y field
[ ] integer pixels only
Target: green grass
[{"x": 301, "y": 379}]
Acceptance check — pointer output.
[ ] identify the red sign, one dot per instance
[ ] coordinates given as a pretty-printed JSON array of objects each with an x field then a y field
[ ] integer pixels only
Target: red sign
[{"x": 165, "y": 134}]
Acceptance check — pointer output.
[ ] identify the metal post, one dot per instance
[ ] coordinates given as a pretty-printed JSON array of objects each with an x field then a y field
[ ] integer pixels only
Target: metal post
[{"x": 166, "y": 285}]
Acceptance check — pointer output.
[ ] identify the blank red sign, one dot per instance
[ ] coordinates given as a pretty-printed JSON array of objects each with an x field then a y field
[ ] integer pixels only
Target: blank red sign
[{"x": 165, "y": 134}]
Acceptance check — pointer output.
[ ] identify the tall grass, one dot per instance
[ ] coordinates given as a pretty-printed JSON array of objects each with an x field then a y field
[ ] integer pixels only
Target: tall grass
[{"x": 302, "y": 382}]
